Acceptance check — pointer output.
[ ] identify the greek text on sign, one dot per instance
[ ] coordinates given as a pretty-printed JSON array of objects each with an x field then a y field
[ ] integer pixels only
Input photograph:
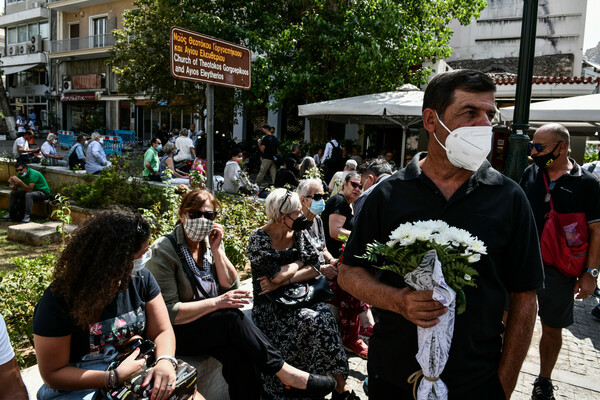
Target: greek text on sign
[{"x": 200, "y": 58}]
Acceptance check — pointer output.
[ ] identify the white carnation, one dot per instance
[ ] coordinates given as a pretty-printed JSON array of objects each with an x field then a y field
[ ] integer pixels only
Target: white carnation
[
  {"x": 474, "y": 258},
  {"x": 467, "y": 277}
]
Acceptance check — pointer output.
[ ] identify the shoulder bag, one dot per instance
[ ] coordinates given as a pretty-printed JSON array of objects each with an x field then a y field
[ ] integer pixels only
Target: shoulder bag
[
  {"x": 302, "y": 294},
  {"x": 185, "y": 384},
  {"x": 564, "y": 240}
]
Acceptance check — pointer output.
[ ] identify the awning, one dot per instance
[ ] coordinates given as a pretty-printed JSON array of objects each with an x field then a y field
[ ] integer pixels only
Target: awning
[{"x": 13, "y": 69}]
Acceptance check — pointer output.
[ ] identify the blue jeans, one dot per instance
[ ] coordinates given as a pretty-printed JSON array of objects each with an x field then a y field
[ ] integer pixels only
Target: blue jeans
[{"x": 96, "y": 362}]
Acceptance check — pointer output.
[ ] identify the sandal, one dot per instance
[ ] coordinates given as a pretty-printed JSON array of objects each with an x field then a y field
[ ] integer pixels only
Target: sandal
[
  {"x": 359, "y": 348},
  {"x": 318, "y": 386}
]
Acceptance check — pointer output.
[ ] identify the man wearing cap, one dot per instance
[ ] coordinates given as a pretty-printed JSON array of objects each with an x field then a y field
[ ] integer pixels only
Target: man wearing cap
[{"x": 335, "y": 185}]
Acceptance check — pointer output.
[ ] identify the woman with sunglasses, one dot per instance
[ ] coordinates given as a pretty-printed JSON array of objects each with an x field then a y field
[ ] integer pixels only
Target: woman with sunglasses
[
  {"x": 280, "y": 253},
  {"x": 199, "y": 285},
  {"x": 337, "y": 223}
]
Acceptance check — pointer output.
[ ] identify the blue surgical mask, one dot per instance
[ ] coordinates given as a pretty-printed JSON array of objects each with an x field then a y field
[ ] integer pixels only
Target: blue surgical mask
[
  {"x": 141, "y": 262},
  {"x": 317, "y": 206},
  {"x": 86, "y": 143},
  {"x": 159, "y": 147}
]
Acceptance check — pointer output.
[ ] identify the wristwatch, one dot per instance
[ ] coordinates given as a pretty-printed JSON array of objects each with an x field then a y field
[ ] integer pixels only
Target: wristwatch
[{"x": 593, "y": 272}]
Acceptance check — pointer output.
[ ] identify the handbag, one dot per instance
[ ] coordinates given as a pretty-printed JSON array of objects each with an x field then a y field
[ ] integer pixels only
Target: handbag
[
  {"x": 564, "y": 240},
  {"x": 132, "y": 389},
  {"x": 302, "y": 294}
]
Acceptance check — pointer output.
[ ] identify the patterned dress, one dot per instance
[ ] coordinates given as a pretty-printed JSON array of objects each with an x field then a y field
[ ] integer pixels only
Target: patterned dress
[{"x": 308, "y": 337}]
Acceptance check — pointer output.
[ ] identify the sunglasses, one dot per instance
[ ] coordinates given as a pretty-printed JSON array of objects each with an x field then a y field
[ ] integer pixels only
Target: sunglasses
[
  {"x": 317, "y": 196},
  {"x": 19, "y": 170},
  {"x": 288, "y": 194},
  {"x": 210, "y": 215},
  {"x": 539, "y": 147},
  {"x": 356, "y": 185}
]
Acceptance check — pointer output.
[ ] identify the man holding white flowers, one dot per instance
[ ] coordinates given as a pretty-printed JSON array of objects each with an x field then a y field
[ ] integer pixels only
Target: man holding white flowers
[{"x": 452, "y": 182}]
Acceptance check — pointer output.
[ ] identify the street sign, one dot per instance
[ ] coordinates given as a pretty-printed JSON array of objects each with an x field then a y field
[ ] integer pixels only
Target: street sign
[{"x": 200, "y": 58}]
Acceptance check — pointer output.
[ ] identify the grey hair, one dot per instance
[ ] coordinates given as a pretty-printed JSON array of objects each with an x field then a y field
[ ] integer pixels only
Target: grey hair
[
  {"x": 306, "y": 164},
  {"x": 51, "y": 136},
  {"x": 275, "y": 200},
  {"x": 168, "y": 148},
  {"x": 96, "y": 135},
  {"x": 307, "y": 185},
  {"x": 558, "y": 130}
]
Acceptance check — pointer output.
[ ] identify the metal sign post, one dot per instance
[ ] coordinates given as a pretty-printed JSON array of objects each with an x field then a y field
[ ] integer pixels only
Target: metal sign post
[{"x": 199, "y": 58}]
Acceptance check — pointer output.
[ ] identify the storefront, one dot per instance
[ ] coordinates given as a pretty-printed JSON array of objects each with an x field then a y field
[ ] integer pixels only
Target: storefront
[{"x": 83, "y": 112}]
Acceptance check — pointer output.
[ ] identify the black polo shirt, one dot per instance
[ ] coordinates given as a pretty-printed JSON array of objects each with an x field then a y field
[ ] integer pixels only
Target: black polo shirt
[
  {"x": 575, "y": 192},
  {"x": 489, "y": 206}
]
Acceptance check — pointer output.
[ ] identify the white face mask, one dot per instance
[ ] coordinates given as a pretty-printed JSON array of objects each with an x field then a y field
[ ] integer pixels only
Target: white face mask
[
  {"x": 140, "y": 263},
  {"x": 468, "y": 146}
]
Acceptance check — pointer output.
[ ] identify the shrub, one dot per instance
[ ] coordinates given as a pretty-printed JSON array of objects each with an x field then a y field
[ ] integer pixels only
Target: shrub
[{"x": 20, "y": 291}]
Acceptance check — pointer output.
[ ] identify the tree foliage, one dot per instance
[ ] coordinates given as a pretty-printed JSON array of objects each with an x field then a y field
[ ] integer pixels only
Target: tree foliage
[{"x": 304, "y": 50}]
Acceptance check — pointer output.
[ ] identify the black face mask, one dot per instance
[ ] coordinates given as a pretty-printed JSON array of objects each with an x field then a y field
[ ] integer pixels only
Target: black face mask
[
  {"x": 547, "y": 159},
  {"x": 301, "y": 223}
]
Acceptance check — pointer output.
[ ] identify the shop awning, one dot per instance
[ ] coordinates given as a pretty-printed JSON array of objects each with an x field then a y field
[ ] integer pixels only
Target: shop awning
[{"x": 13, "y": 69}]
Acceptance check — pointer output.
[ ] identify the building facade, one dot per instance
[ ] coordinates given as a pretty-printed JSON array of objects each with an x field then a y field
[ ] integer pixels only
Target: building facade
[{"x": 25, "y": 57}]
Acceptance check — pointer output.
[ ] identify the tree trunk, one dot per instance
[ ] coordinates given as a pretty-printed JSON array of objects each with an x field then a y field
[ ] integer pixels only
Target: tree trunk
[{"x": 8, "y": 117}]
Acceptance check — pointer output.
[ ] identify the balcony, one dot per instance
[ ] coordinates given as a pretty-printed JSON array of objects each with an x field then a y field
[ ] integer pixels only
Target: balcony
[
  {"x": 82, "y": 47},
  {"x": 74, "y": 5},
  {"x": 25, "y": 16}
]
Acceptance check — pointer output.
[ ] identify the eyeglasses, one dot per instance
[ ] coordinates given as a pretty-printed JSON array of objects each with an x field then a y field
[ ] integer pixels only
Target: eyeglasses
[
  {"x": 210, "y": 215},
  {"x": 356, "y": 185},
  {"x": 317, "y": 196},
  {"x": 539, "y": 147},
  {"x": 287, "y": 195}
]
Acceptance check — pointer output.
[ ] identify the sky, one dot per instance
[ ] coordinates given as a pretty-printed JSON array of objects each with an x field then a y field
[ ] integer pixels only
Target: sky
[{"x": 592, "y": 25}]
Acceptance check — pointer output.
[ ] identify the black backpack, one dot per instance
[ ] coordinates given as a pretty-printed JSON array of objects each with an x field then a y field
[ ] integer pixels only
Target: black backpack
[
  {"x": 336, "y": 153},
  {"x": 17, "y": 211}
]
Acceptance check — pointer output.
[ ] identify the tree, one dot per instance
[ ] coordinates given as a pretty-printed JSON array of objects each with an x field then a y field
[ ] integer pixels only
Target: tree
[
  {"x": 6, "y": 111},
  {"x": 305, "y": 50}
]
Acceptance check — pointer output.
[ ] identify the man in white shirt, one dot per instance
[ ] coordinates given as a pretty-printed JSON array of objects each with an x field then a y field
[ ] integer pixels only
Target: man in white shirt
[
  {"x": 12, "y": 386},
  {"x": 185, "y": 148},
  {"x": 21, "y": 123},
  {"x": 21, "y": 148}
]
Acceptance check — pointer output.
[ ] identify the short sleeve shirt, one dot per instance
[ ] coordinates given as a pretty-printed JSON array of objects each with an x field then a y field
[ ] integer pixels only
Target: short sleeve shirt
[
  {"x": 336, "y": 205},
  {"x": 575, "y": 192},
  {"x": 271, "y": 144},
  {"x": 6, "y": 350},
  {"x": 36, "y": 177},
  {"x": 151, "y": 156},
  {"x": 123, "y": 318},
  {"x": 489, "y": 206},
  {"x": 20, "y": 142}
]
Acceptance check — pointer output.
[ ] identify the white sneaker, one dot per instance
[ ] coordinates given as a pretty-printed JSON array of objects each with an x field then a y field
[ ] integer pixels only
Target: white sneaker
[
  {"x": 26, "y": 219},
  {"x": 5, "y": 218}
]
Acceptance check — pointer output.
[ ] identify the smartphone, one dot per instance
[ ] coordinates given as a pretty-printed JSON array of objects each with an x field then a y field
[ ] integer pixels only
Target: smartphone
[{"x": 146, "y": 348}]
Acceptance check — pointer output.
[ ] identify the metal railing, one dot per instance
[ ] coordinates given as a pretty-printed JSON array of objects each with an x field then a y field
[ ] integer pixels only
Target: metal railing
[{"x": 82, "y": 43}]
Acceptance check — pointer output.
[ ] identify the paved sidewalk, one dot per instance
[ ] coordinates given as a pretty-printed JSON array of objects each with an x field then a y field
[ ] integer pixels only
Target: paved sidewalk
[{"x": 576, "y": 370}]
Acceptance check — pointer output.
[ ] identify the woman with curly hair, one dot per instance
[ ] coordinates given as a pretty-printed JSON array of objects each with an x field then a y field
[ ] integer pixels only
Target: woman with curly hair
[
  {"x": 200, "y": 287},
  {"x": 102, "y": 296}
]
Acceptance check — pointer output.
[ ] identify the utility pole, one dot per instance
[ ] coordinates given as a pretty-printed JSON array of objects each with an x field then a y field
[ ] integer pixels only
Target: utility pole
[
  {"x": 5, "y": 108},
  {"x": 517, "y": 148}
]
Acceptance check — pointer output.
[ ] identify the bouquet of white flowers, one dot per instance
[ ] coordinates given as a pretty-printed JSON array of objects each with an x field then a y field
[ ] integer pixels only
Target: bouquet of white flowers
[{"x": 456, "y": 249}]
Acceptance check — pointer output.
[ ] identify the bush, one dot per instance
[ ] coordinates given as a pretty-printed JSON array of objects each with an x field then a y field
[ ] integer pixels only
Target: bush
[{"x": 20, "y": 291}]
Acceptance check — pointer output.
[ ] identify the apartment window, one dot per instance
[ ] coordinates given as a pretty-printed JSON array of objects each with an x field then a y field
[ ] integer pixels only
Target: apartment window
[
  {"x": 11, "y": 36},
  {"x": 44, "y": 30},
  {"x": 33, "y": 30},
  {"x": 98, "y": 33},
  {"x": 22, "y": 33}
]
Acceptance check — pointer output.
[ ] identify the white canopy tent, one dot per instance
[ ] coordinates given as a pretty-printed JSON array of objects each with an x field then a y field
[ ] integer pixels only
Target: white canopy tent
[
  {"x": 580, "y": 112},
  {"x": 401, "y": 107}
]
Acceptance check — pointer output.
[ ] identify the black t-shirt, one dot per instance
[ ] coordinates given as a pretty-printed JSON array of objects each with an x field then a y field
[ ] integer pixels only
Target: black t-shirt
[
  {"x": 489, "y": 206},
  {"x": 120, "y": 320},
  {"x": 336, "y": 205},
  {"x": 271, "y": 146},
  {"x": 284, "y": 176},
  {"x": 575, "y": 192}
]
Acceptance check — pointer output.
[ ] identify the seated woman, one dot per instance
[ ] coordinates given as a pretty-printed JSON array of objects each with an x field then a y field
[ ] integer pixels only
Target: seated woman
[
  {"x": 95, "y": 158},
  {"x": 280, "y": 253},
  {"x": 166, "y": 163},
  {"x": 199, "y": 285},
  {"x": 76, "y": 155},
  {"x": 307, "y": 164},
  {"x": 49, "y": 156},
  {"x": 355, "y": 316},
  {"x": 287, "y": 175},
  {"x": 100, "y": 298},
  {"x": 234, "y": 178}
]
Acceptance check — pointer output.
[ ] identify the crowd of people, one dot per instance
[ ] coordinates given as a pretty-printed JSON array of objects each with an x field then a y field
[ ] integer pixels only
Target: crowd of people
[{"x": 297, "y": 350}]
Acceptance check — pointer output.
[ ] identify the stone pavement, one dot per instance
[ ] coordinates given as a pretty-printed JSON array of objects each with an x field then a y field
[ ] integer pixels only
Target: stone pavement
[{"x": 575, "y": 371}]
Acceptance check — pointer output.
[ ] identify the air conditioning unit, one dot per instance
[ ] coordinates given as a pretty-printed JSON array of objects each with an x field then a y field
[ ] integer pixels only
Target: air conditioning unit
[
  {"x": 37, "y": 44},
  {"x": 67, "y": 85},
  {"x": 12, "y": 50},
  {"x": 25, "y": 48}
]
